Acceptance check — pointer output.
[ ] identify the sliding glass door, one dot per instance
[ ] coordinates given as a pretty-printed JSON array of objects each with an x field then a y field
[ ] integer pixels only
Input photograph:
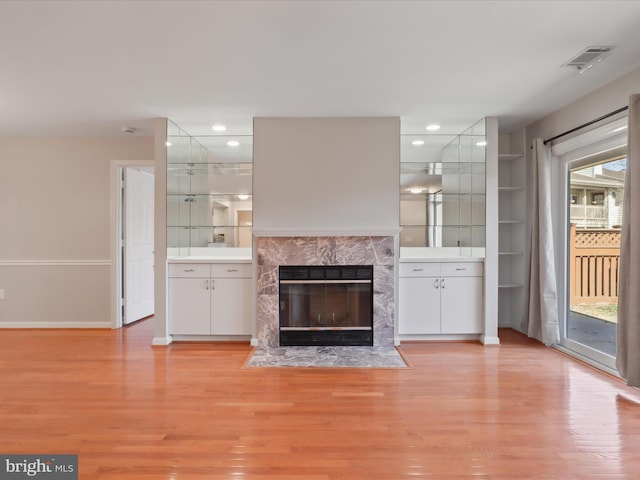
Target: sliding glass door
[{"x": 594, "y": 217}]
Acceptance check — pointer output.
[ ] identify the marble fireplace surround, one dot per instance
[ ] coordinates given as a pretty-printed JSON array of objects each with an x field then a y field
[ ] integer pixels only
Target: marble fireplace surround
[{"x": 272, "y": 252}]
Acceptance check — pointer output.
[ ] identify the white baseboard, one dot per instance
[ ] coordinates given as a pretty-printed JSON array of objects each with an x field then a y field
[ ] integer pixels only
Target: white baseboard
[
  {"x": 439, "y": 337},
  {"x": 489, "y": 340},
  {"x": 209, "y": 338},
  {"x": 55, "y": 325}
]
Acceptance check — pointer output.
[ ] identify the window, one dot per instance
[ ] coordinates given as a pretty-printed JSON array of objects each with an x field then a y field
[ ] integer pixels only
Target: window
[{"x": 597, "y": 198}]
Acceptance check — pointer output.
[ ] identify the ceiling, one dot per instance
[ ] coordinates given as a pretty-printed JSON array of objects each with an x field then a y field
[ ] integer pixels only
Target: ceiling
[{"x": 71, "y": 68}]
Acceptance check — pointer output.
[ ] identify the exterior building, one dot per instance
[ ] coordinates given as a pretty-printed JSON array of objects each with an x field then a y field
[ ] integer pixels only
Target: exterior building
[{"x": 596, "y": 197}]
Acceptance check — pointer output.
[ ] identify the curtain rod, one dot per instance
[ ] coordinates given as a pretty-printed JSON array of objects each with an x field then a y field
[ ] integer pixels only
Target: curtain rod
[{"x": 611, "y": 114}]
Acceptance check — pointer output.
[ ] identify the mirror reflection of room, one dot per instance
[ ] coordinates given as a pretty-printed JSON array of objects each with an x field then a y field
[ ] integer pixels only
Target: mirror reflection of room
[{"x": 442, "y": 189}]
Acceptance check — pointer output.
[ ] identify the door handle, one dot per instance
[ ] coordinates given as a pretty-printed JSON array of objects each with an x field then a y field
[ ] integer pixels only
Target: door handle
[
  {"x": 436, "y": 283},
  {"x": 213, "y": 284},
  {"x": 442, "y": 283}
]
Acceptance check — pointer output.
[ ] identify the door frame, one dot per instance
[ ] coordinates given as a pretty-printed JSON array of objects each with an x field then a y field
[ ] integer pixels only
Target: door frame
[{"x": 116, "y": 185}]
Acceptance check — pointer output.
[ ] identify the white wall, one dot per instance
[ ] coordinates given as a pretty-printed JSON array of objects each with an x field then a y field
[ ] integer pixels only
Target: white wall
[
  {"x": 604, "y": 100},
  {"x": 317, "y": 174},
  {"x": 55, "y": 235}
]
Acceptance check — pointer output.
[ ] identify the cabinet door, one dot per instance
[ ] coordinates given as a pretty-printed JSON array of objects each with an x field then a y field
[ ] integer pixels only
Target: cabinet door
[
  {"x": 231, "y": 306},
  {"x": 461, "y": 300},
  {"x": 189, "y": 306},
  {"x": 419, "y": 305}
]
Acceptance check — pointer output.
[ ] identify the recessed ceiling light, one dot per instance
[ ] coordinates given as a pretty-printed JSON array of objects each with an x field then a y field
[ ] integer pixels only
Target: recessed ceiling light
[
  {"x": 417, "y": 142},
  {"x": 168, "y": 144},
  {"x": 415, "y": 189},
  {"x": 218, "y": 128},
  {"x": 243, "y": 196},
  {"x": 233, "y": 143},
  {"x": 433, "y": 127},
  {"x": 481, "y": 144}
]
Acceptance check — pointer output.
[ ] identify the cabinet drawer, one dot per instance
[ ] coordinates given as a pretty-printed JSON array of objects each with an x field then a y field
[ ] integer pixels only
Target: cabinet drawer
[
  {"x": 189, "y": 270},
  {"x": 469, "y": 269},
  {"x": 426, "y": 269},
  {"x": 231, "y": 270}
]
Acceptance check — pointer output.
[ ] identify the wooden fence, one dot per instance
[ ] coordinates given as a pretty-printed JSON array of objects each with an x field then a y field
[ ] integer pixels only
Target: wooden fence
[{"x": 594, "y": 257}]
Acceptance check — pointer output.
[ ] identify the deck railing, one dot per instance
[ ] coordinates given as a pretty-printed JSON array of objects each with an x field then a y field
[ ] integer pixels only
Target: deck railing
[{"x": 589, "y": 215}]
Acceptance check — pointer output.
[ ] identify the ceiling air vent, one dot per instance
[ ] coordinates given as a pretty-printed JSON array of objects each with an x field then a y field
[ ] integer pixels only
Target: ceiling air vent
[{"x": 589, "y": 57}]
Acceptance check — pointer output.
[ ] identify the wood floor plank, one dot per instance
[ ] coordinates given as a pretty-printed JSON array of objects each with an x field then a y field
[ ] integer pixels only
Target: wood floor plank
[{"x": 191, "y": 411}]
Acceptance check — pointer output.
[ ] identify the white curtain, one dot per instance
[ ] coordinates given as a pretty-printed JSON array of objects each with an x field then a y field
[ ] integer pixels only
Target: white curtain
[
  {"x": 628, "y": 356},
  {"x": 543, "y": 296}
]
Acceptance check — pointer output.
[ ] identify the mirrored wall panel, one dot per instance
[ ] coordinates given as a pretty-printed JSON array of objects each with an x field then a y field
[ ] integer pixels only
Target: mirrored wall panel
[
  {"x": 442, "y": 190},
  {"x": 209, "y": 191}
]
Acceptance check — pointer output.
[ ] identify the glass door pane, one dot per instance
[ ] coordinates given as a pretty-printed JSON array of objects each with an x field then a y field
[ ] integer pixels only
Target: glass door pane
[{"x": 595, "y": 194}]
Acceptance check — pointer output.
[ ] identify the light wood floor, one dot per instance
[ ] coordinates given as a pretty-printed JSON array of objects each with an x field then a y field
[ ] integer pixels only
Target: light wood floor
[{"x": 190, "y": 411}]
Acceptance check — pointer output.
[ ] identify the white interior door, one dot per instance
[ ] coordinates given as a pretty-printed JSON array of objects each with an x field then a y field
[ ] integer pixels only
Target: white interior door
[{"x": 138, "y": 245}]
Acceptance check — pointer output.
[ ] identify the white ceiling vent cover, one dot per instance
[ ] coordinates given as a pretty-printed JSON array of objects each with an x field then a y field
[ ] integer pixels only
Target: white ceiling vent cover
[{"x": 589, "y": 57}]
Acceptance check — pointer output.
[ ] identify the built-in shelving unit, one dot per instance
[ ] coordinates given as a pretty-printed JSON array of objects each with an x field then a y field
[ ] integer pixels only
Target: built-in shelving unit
[{"x": 511, "y": 240}]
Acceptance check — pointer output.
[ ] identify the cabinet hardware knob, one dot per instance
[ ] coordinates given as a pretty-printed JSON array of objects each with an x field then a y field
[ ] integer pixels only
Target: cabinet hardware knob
[
  {"x": 436, "y": 283},
  {"x": 442, "y": 283},
  {"x": 232, "y": 270},
  {"x": 206, "y": 284},
  {"x": 189, "y": 270},
  {"x": 417, "y": 269},
  {"x": 213, "y": 284},
  {"x": 460, "y": 269}
]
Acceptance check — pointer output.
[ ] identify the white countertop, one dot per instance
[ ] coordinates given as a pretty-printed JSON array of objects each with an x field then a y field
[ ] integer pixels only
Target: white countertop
[
  {"x": 209, "y": 255},
  {"x": 209, "y": 259},
  {"x": 440, "y": 259},
  {"x": 440, "y": 254}
]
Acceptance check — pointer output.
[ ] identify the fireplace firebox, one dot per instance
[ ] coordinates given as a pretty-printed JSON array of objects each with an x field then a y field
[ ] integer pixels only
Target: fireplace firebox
[{"x": 326, "y": 305}]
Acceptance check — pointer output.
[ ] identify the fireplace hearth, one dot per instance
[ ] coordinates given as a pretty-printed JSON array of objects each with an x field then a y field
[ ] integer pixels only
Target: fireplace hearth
[{"x": 324, "y": 305}]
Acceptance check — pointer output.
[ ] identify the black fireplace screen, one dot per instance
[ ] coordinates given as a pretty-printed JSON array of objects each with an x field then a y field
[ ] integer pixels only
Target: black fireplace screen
[{"x": 326, "y": 305}]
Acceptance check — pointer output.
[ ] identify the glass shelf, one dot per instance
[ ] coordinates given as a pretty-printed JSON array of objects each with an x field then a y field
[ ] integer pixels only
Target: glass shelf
[
  {"x": 186, "y": 236},
  {"x": 220, "y": 197}
]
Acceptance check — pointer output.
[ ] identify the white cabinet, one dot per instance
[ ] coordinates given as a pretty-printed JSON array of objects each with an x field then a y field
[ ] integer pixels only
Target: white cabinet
[
  {"x": 210, "y": 299},
  {"x": 440, "y": 298}
]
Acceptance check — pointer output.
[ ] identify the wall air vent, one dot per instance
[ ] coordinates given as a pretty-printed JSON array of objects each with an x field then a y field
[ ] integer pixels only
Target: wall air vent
[{"x": 589, "y": 57}]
